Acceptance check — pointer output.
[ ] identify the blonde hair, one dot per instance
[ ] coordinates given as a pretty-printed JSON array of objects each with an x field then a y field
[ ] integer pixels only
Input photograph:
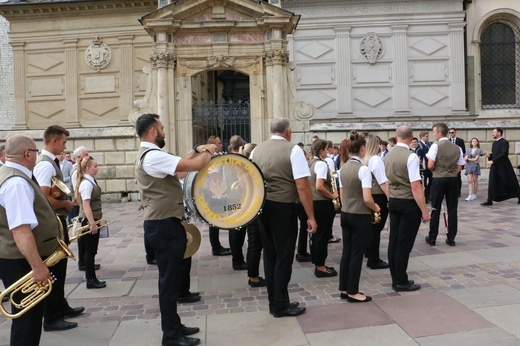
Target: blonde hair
[
  {"x": 247, "y": 149},
  {"x": 371, "y": 148},
  {"x": 82, "y": 164}
]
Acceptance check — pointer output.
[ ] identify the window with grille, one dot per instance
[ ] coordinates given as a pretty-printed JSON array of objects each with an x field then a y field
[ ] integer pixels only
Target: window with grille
[{"x": 500, "y": 73}]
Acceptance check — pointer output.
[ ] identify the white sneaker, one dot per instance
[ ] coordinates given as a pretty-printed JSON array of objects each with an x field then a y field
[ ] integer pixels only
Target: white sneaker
[
  {"x": 473, "y": 197},
  {"x": 469, "y": 198}
]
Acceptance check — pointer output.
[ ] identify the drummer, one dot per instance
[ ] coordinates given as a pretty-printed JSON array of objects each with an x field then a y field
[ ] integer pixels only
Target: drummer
[{"x": 162, "y": 202}]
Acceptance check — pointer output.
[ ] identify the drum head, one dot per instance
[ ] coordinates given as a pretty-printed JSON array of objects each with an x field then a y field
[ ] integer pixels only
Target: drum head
[
  {"x": 187, "y": 192},
  {"x": 229, "y": 192}
]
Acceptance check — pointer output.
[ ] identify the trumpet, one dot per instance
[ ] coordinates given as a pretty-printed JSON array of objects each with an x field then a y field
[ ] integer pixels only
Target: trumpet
[
  {"x": 80, "y": 232},
  {"x": 34, "y": 292},
  {"x": 59, "y": 189}
]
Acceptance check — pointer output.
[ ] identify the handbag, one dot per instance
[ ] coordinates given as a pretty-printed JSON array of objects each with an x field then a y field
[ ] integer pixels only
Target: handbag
[{"x": 103, "y": 231}]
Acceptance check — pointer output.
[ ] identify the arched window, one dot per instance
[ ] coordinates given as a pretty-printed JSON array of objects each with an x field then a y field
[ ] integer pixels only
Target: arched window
[{"x": 500, "y": 70}]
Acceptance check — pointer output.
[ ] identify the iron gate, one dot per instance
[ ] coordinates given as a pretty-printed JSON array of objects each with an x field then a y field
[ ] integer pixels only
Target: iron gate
[{"x": 223, "y": 118}]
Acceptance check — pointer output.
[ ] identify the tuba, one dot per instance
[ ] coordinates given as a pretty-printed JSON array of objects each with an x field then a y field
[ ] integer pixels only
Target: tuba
[
  {"x": 34, "y": 292},
  {"x": 59, "y": 189}
]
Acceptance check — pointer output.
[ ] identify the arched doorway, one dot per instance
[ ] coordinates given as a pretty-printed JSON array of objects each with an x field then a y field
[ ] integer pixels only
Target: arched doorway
[{"x": 221, "y": 106}]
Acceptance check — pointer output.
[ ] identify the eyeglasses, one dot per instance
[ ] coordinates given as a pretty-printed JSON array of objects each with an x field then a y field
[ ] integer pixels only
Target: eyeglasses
[
  {"x": 451, "y": 132},
  {"x": 34, "y": 150}
]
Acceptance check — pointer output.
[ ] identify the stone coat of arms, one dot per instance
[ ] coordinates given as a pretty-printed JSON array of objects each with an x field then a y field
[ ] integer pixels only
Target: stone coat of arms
[{"x": 98, "y": 54}]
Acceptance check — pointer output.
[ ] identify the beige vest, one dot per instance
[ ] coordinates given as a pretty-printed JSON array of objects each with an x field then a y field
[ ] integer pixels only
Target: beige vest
[
  {"x": 160, "y": 198},
  {"x": 316, "y": 195},
  {"x": 376, "y": 188},
  {"x": 273, "y": 157},
  {"x": 352, "y": 189},
  {"x": 397, "y": 173},
  {"x": 446, "y": 160},
  {"x": 59, "y": 176},
  {"x": 45, "y": 233},
  {"x": 95, "y": 202}
]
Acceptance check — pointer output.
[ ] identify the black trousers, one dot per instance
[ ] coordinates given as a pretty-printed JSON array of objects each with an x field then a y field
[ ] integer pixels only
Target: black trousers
[
  {"x": 237, "y": 238},
  {"x": 81, "y": 241},
  {"x": 278, "y": 230},
  {"x": 405, "y": 219},
  {"x": 168, "y": 239},
  {"x": 254, "y": 249},
  {"x": 324, "y": 214},
  {"x": 459, "y": 183},
  {"x": 356, "y": 232},
  {"x": 91, "y": 243},
  {"x": 214, "y": 238},
  {"x": 444, "y": 187},
  {"x": 150, "y": 256},
  {"x": 303, "y": 235},
  {"x": 427, "y": 183},
  {"x": 27, "y": 329},
  {"x": 55, "y": 305},
  {"x": 375, "y": 232}
]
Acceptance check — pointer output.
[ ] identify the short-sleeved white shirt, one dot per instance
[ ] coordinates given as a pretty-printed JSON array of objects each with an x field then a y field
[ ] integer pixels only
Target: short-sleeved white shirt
[
  {"x": 44, "y": 170},
  {"x": 321, "y": 169},
  {"x": 86, "y": 187},
  {"x": 434, "y": 149},
  {"x": 377, "y": 167},
  {"x": 412, "y": 164},
  {"x": 364, "y": 175},
  {"x": 159, "y": 163},
  {"x": 17, "y": 198}
]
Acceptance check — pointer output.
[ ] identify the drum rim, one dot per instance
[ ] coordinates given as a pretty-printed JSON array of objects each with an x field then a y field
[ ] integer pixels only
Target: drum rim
[{"x": 242, "y": 157}]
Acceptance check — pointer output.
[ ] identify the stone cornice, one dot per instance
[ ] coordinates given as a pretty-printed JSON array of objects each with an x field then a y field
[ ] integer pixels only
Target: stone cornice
[
  {"x": 79, "y": 133},
  {"x": 39, "y": 10}
]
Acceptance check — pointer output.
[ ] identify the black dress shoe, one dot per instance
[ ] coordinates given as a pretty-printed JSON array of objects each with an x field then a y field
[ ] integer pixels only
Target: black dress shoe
[
  {"x": 189, "y": 330},
  {"x": 73, "y": 312},
  {"x": 406, "y": 288},
  {"x": 240, "y": 266},
  {"x": 353, "y": 300},
  {"x": 182, "y": 341},
  {"x": 289, "y": 312},
  {"x": 96, "y": 267},
  {"x": 429, "y": 241},
  {"x": 486, "y": 203},
  {"x": 378, "y": 265},
  {"x": 188, "y": 298},
  {"x": 330, "y": 272},
  {"x": 223, "y": 251},
  {"x": 303, "y": 258},
  {"x": 59, "y": 325},
  {"x": 95, "y": 283},
  {"x": 260, "y": 283},
  {"x": 152, "y": 262},
  {"x": 450, "y": 242},
  {"x": 334, "y": 240}
]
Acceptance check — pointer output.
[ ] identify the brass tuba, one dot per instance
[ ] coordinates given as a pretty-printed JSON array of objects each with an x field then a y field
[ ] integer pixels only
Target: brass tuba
[{"x": 34, "y": 292}]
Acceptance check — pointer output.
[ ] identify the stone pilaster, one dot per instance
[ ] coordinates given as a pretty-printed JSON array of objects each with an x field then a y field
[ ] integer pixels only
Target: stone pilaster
[
  {"x": 125, "y": 77},
  {"x": 277, "y": 60},
  {"x": 20, "y": 122},
  {"x": 457, "y": 90},
  {"x": 162, "y": 61},
  {"x": 344, "y": 77},
  {"x": 401, "y": 92},
  {"x": 71, "y": 82}
]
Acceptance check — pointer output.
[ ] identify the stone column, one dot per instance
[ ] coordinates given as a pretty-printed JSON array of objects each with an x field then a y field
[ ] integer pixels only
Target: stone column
[
  {"x": 401, "y": 75},
  {"x": 20, "y": 120},
  {"x": 344, "y": 90},
  {"x": 457, "y": 90},
  {"x": 71, "y": 82},
  {"x": 126, "y": 75},
  {"x": 277, "y": 60},
  {"x": 184, "y": 129},
  {"x": 161, "y": 62}
]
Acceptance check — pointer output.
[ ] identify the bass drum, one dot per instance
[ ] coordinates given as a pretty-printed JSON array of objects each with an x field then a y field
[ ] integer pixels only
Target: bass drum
[
  {"x": 229, "y": 192},
  {"x": 188, "y": 194}
]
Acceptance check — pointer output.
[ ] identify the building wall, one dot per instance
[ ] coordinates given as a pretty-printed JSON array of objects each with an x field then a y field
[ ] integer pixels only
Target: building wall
[{"x": 6, "y": 78}]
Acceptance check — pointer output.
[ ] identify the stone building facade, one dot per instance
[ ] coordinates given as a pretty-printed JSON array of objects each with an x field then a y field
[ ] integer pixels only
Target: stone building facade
[{"x": 6, "y": 78}]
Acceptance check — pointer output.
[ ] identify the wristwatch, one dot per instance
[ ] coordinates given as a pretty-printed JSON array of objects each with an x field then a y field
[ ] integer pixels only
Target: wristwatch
[{"x": 195, "y": 149}]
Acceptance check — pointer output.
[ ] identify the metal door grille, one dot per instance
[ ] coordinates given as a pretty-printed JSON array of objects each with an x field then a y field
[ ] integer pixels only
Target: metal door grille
[
  {"x": 223, "y": 119},
  {"x": 500, "y": 74}
]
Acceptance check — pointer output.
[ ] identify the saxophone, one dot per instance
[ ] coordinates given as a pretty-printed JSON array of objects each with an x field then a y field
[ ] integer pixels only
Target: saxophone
[{"x": 334, "y": 188}]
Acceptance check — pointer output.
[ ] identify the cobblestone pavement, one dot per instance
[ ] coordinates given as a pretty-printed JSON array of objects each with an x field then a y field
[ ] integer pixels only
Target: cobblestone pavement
[{"x": 470, "y": 293}]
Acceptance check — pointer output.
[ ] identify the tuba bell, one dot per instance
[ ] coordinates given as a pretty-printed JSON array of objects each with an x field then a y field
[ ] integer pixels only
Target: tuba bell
[{"x": 59, "y": 189}]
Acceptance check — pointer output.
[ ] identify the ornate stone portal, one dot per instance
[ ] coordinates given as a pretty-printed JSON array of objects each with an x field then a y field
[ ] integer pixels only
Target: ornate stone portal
[{"x": 193, "y": 37}]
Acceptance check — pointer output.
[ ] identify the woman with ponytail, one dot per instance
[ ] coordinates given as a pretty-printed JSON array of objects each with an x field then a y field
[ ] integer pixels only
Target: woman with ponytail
[
  {"x": 321, "y": 184},
  {"x": 380, "y": 194},
  {"x": 356, "y": 209},
  {"x": 88, "y": 196}
]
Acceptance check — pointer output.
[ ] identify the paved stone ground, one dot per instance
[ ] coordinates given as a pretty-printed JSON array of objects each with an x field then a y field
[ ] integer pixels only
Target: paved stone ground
[{"x": 470, "y": 294}]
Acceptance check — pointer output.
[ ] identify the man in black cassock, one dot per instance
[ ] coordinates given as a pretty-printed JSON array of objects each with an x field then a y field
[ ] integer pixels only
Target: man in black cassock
[{"x": 503, "y": 183}]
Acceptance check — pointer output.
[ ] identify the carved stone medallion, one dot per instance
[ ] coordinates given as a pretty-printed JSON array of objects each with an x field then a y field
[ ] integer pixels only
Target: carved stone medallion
[
  {"x": 98, "y": 54},
  {"x": 371, "y": 47}
]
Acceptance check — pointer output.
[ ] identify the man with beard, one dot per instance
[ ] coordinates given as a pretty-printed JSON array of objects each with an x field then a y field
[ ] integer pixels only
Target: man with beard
[
  {"x": 503, "y": 183},
  {"x": 162, "y": 201}
]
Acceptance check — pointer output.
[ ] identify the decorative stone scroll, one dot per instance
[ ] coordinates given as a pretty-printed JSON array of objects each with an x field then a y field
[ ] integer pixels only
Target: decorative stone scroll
[
  {"x": 163, "y": 60},
  {"x": 371, "y": 47},
  {"x": 276, "y": 57},
  {"x": 220, "y": 61},
  {"x": 98, "y": 54}
]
